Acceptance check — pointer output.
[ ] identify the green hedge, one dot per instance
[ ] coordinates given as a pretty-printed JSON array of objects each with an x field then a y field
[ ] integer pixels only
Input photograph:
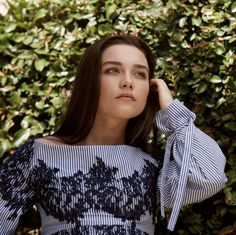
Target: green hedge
[{"x": 194, "y": 43}]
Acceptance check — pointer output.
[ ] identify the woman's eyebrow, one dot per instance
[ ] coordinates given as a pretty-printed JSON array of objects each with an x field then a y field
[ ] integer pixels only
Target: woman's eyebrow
[
  {"x": 120, "y": 64},
  {"x": 112, "y": 62},
  {"x": 141, "y": 67}
]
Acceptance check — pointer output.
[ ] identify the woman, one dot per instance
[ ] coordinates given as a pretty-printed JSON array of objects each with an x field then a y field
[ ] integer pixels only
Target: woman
[{"x": 96, "y": 174}]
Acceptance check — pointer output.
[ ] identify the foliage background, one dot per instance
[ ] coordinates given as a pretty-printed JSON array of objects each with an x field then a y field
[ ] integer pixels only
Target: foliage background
[{"x": 194, "y": 43}]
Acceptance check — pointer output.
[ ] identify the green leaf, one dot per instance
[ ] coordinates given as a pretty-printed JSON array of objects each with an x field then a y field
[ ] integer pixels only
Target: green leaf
[
  {"x": 161, "y": 26},
  {"x": 193, "y": 36},
  {"x": 233, "y": 7},
  {"x": 40, "y": 104},
  {"x": 41, "y": 51},
  {"x": 18, "y": 37},
  {"x": 182, "y": 22},
  {"x": 7, "y": 88},
  {"x": 10, "y": 27},
  {"x": 184, "y": 90},
  {"x": 40, "y": 14},
  {"x": 15, "y": 98},
  {"x": 190, "y": 10},
  {"x": 26, "y": 55},
  {"x": 7, "y": 125},
  {"x": 207, "y": 10},
  {"x": 215, "y": 79},
  {"x": 76, "y": 16},
  {"x": 220, "y": 102},
  {"x": 49, "y": 25},
  {"x": 27, "y": 120},
  {"x": 231, "y": 126},
  {"x": 28, "y": 40},
  {"x": 202, "y": 87},
  {"x": 35, "y": 44},
  {"x": 40, "y": 64},
  {"x": 57, "y": 102},
  {"x": 227, "y": 117},
  {"x": 218, "y": 17},
  {"x": 37, "y": 128},
  {"x": 20, "y": 136},
  {"x": 104, "y": 28},
  {"x": 161, "y": 62},
  {"x": 110, "y": 10},
  {"x": 196, "y": 21},
  {"x": 185, "y": 44},
  {"x": 220, "y": 50},
  {"x": 4, "y": 147}
]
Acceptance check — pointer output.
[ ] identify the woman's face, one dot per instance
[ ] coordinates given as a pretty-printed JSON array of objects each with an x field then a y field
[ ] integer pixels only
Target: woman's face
[{"x": 124, "y": 82}]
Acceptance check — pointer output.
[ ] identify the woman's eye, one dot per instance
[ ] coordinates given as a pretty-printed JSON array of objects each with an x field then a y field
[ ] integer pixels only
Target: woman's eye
[
  {"x": 141, "y": 75},
  {"x": 112, "y": 70}
]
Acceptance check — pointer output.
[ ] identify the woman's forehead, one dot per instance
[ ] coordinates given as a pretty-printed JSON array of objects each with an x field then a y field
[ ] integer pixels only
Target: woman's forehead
[{"x": 124, "y": 54}]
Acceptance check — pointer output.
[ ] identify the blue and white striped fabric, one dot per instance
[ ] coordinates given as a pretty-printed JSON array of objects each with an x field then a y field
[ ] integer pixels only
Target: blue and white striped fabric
[
  {"x": 105, "y": 189},
  {"x": 197, "y": 171}
]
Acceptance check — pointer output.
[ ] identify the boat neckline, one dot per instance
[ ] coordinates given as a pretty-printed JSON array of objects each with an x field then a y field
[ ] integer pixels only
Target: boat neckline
[{"x": 83, "y": 146}]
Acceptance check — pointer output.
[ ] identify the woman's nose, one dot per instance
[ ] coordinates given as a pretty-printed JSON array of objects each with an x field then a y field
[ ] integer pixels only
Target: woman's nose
[{"x": 126, "y": 83}]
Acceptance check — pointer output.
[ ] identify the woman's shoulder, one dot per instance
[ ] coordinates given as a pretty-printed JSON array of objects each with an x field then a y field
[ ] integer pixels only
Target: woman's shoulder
[{"x": 52, "y": 140}]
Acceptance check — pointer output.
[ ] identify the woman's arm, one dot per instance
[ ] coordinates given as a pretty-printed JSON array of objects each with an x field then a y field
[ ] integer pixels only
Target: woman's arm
[
  {"x": 16, "y": 194},
  {"x": 197, "y": 169}
]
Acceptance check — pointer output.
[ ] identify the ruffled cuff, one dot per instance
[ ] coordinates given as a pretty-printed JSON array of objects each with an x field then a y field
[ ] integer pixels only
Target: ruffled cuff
[
  {"x": 170, "y": 121},
  {"x": 175, "y": 116}
]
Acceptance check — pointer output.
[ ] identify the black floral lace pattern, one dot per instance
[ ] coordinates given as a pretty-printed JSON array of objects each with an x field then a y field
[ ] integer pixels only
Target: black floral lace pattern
[
  {"x": 68, "y": 198},
  {"x": 15, "y": 186},
  {"x": 102, "y": 230},
  {"x": 101, "y": 188}
]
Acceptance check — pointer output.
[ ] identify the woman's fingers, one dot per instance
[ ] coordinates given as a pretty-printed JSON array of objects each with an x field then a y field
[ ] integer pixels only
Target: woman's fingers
[{"x": 163, "y": 92}]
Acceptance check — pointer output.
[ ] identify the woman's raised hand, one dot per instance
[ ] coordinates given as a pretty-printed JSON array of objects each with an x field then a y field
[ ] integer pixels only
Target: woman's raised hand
[{"x": 163, "y": 92}]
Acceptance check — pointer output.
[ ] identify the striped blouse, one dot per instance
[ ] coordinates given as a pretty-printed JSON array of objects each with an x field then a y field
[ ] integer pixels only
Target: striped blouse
[{"x": 111, "y": 189}]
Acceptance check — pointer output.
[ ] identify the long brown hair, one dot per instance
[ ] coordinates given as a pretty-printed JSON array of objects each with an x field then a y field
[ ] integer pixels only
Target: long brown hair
[{"x": 82, "y": 107}]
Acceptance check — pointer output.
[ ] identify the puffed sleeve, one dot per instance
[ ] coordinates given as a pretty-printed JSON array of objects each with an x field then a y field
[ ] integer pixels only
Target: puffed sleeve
[
  {"x": 16, "y": 194},
  {"x": 196, "y": 169}
]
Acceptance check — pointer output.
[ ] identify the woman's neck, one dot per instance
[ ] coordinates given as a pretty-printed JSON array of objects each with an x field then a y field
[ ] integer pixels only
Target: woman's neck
[{"x": 106, "y": 134}]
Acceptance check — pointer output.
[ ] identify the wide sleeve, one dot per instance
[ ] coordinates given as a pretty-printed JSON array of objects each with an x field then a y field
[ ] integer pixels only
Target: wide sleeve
[
  {"x": 16, "y": 194},
  {"x": 196, "y": 168}
]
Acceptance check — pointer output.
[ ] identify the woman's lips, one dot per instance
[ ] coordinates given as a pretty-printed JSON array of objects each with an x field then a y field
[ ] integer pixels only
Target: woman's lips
[{"x": 126, "y": 96}]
